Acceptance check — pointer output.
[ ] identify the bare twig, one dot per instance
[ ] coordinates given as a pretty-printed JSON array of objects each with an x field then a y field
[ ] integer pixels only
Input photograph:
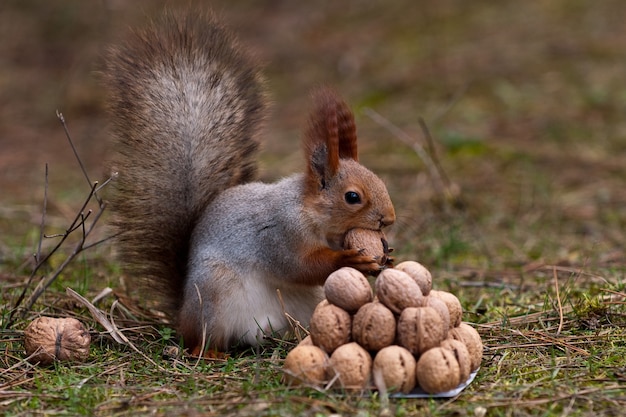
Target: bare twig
[
  {"x": 432, "y": 152},
  {"x": 106, "y": 182},
  {"x": 46, "y": 281},
  {"x": 98, "y": 242},
  {"x": 69, "y": 139},
  {"x": 128, "y": 342},
  {"x": 43, "y": 217},
  {"x": 98, "y": 316},
  {"x": 558, "y": 300},
  {"x": 441, "y": 182},
  {"x": 298, "y": 329},
  {"x": 79, "y": 222},
  {"x": 408, "y": 140}
]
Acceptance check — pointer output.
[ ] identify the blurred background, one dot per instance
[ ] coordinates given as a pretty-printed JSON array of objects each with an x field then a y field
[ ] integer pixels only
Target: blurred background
[{"x": 519, "y": 105}]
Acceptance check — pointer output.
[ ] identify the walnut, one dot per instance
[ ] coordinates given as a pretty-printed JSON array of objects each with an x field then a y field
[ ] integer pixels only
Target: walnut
[
  {"x": 396, "y": 366},
  {"x": 330, "y": 326},
  {"x": 437, "y": 371},
  {"x": 306, "y": 341},
  {"x": 305, "y": 364},
  {"x": 440, "y": 307},
  {"x": 420, "y": 329},
  {"x": 348, "y": 288},
  {"x": 419, "y": 273},
  {"x": 397, "y": 290},
  {"x": 47, "y": 339},
  {"x": 470, "y": 337},
  {"x": 352, "y": 365},
  {"x": 454, "y": 306},
  {"x": 374, "y": 326},
  {"x": 371, "y": 242},
  {"x": 462, "y": 356}
]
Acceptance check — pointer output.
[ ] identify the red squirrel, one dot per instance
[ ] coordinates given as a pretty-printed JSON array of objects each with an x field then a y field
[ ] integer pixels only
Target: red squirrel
[{"x": 187, "y": 106}]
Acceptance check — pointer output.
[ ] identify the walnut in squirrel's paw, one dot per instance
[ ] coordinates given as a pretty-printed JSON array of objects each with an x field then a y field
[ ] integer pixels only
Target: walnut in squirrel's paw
[{"x": 371, "y": 243}]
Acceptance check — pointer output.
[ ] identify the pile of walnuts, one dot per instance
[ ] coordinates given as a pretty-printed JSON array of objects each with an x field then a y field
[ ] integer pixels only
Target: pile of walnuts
[{"x": 407, "y": 335}]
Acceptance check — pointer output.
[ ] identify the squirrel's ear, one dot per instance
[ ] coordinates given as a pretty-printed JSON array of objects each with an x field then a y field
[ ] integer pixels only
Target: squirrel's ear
[
  {"x": 322, "y": 137},
  {"x": 331, "y": 135}
]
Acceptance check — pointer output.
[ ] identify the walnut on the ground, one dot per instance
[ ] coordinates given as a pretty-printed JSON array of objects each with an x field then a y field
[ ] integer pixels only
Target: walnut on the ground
[
  {"x": 352, "y": 366},
  {"x": 305, "y": 364},
  {"x": 470, "y": 337},
  {"x": 462, "y": 356},
  {"x": 396, "y": 366},
  {"x": 438, "y": 371},
  {"x": 47, "y": 339}
]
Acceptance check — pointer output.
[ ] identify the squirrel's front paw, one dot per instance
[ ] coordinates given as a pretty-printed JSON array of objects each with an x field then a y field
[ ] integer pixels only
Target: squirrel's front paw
[
  {"x": 357, "y": 259},
  {"x": 369, "y": 244}
]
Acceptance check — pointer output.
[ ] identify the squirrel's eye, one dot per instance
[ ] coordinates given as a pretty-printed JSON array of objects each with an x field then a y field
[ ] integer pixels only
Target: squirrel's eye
[{"x": 352, "y": 197}]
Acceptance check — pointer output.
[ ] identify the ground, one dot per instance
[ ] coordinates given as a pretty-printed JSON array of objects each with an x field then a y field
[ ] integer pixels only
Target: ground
[{"x": 518, "y": 206}]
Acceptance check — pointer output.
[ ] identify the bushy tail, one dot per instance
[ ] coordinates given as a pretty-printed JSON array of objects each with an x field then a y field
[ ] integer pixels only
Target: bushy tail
[{"x": 186, "y": 104}]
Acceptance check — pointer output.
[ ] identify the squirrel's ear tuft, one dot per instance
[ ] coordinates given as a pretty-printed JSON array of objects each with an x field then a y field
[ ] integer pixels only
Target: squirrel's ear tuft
[
  {"x": 331, "y": 134},
  {"x": 347, "y": 131}
]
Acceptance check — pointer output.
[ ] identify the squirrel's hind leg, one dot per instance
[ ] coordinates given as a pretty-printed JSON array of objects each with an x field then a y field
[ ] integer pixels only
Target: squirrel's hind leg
[{"x": 202, "y": 322}]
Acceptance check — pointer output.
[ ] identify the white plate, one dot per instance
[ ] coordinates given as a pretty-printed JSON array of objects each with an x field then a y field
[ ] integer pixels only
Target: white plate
[{"x": 419, "y": 393}]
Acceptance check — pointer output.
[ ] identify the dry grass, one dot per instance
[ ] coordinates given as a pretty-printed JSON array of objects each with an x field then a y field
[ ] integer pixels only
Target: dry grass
[{"x": 546, "y": 352}]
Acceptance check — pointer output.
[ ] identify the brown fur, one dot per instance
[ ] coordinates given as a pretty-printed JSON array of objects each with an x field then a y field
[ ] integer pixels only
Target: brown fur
[{"x": 169, "y": 165}]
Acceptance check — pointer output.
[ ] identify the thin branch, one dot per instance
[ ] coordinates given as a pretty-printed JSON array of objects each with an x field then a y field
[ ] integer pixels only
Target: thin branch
[
  {"x": 69, "y": 138},
  {"x": 558, "y": 300},
  {"x": 43, "y": 216},
  {"x": 68, "y": 231},
  {"x": 40, "y": 261},
  {"x": 83, "y": 218},
  {"x": 439, "y": 179},
  {"x": 98, "y": 316},
  {"x": 105, "y": 183},
  {"x": 80, "y": 162},
  {"x": 82, "y": 224},
  {"x": 404, "y": 137},
  {"x": 78, "y": 222},
  {"x": 128, "y": 342},
  {"x": 451, "y": 103},
  {"x": 93, "y": 224},
  {"x": 47, "y": 281},
  {"x": 101, "y": 241},
  {"x": 432, "y": 151}
]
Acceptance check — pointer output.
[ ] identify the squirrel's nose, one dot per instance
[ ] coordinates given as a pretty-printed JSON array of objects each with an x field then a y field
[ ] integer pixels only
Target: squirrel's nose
[{"x": 387, "y": 220}]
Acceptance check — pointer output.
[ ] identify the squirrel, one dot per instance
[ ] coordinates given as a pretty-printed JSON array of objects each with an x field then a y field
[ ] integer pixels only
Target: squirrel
[{"x": 187, "y": 105}]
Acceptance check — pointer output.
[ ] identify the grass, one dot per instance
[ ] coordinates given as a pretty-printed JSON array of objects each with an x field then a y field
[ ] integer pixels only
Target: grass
[
  {"x": 554, "y": 336},
  {"x": 525, "y": 104}
]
